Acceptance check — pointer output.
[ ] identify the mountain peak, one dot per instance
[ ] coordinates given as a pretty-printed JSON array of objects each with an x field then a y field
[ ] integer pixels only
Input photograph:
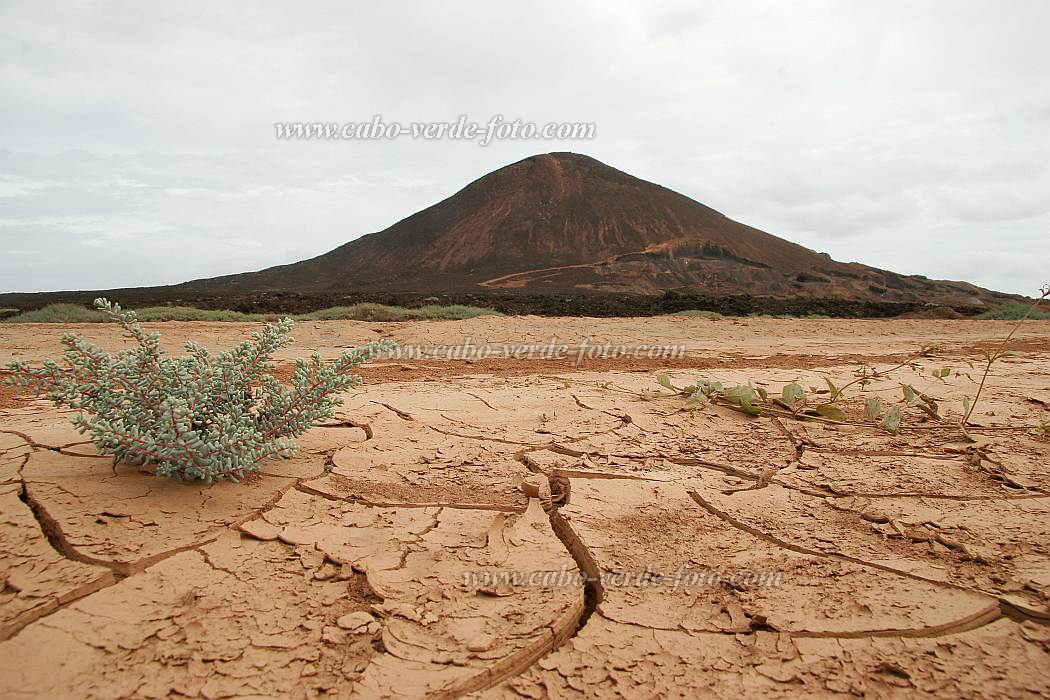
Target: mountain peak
[{"x": 565, "y": 222}]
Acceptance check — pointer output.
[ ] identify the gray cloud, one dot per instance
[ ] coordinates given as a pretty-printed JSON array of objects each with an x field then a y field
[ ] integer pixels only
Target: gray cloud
[{"x": 137, "y": 142}]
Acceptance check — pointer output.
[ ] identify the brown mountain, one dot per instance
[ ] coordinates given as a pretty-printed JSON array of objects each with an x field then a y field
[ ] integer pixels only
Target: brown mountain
[{"x": 563, "y": 222}]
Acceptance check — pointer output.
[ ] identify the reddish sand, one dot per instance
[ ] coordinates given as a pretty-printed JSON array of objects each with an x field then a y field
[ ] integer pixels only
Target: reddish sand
[{"x": 893, "y": 565}]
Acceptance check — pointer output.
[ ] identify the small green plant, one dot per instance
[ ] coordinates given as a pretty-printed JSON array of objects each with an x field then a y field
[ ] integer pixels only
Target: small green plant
[
  {"x": 870, "y": 374},
  {"x": 794, "y": 399},
  {"x": 750, "y": 399},
  {"x": 1000, "y": 351},
  {"x": 200, "y": 416}
]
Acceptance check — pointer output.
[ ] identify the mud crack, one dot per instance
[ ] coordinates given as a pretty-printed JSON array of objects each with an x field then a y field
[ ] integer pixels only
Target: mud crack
[{"x": 1005, "y": 607}]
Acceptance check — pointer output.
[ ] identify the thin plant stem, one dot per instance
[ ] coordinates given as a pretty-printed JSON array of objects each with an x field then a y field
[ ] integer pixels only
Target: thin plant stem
[{"x": 999, "y": 350}]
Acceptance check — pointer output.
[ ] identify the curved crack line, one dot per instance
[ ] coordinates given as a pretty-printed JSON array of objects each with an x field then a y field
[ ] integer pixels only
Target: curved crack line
[
  {"x": 814, "y": 491},
  {"x": 68, "y": 453},
  {"x": 22, "y": 436},
  {"x": 586, "y": 563},
  {"x": 797, "y": 446},
  {"x": 625, "y": 417},
  {"x": 21, "y": 479},
  {"x": 485, "y": 438},
  {"x": 540, "y": 431},
  {"x": 403, "y": 415},
  {"x": 911, "y": 494},
  {"x": 740, "y": 525},
  {"x": 516, "y": 663},
  {"x": 564, "y": 628},
  {"x": 117, "y": 571},
  {"x": 347, "y": 423},
  {"x": 503, "y": 508},
  {"x": 682, "y": 462},
  {"x": 522, "y": 456},
  {"x": 884, "y": 453},
  {"x": 585, "y": 474},
  {"x": 593, "y": 591},
  {"x": 561, "y": 629},
  {"x": 34, "y": 445},
  {"x": 567, "y": 626},
  {"x": 624, "y": 421},
  {"x": 567, "y": 472},
  {"x": 983, "y": 617},
  {"x": 55, "y": 534},
  {"x": 482, "y": 400}
]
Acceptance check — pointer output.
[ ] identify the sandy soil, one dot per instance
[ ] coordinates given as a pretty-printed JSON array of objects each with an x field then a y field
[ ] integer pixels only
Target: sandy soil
[{"x": 797, "y": 557}]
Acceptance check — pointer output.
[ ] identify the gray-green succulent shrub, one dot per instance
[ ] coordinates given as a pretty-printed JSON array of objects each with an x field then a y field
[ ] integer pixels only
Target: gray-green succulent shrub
[{"x": 199, "y": 416}]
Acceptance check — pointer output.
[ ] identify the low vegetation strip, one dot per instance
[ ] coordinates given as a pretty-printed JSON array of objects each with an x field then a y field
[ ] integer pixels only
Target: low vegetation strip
[
  {"x": 74, "y": 313},
  {"x": 1014, "y": 312},
  {"x": 370, "y": 311},
  {"x": 382, "y": 312}
]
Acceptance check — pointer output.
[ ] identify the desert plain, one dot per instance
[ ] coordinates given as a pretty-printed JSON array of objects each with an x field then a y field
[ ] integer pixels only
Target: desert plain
[{"x": 916, "y": 562}]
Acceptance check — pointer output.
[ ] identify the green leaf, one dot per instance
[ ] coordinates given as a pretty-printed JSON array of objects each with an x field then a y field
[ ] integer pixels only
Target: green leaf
[
  {"x": 763, "y": 393},
  {"x": 892, "y": 420},
  {"x": 665, "y": 382},
  {"x": 941, "y": 373},
  {"x": 710, "y": 388},
  {"x": 740, "y": 394},
  {"x": 831, "y": 412},
  {"x": 750, "y": 409},
  {"x": 834, "y": 390},
  {"x": 699, "y": 397},
  {"x": 792, "y": 394},
  {"x": 909, "y": 393},
  {"x": 872, "y": 408}
]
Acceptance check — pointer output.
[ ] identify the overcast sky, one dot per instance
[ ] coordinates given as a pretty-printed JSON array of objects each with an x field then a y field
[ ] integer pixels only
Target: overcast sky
[{"x": 137, "y": 140}]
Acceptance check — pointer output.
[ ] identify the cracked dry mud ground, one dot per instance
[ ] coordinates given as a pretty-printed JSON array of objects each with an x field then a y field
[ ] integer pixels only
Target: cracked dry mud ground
[{"x": 910, "y": 563}]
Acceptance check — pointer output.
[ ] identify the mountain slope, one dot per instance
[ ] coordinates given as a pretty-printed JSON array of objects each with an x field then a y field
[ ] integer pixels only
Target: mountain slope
[{"x": 565, "y": 223}]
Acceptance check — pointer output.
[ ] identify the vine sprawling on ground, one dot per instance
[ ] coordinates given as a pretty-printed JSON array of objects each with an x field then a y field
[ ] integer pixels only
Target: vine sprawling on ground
[
  {"x": 794, "y": 400},
  {"x": 199, "y": 416}
]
